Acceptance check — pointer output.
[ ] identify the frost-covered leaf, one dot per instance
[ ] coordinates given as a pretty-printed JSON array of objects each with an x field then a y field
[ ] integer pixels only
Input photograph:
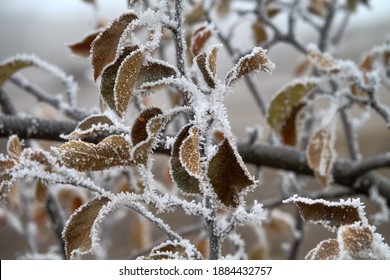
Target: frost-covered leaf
[
  {"x": 6, "y": 164},
  {"x": 36, "y": 155},
  {"x": 321, "y": 155},
  {"x": 356, "y": 239},
  {"x": 189, "y": 153},
  {"x": 200, "y": 38},
  {"x": 285, "y": 107},
  {"x": 110, "y": 75},
  {"x": 259, "y": 31},
  {"x": 105, "y": 46},
  {"x": 331, "y": 215},
  {"x": 325, "y": 250},
  {"x": 83, "y": 47},
  {"x": 90, "y": 126},
  {"x": 145, "y": 131},
  {"x": 186, "y": 182},
  {"x": 169, "y": 250},
  {"x": 8, "y": 68},
  {"x": 41, "y": 191},
  {"x": 112, "y": 151},
  {"x": 14, "y": 147},
  {"x": 131, "y": 3},
  {"x": 207, "y": 64},
  {"x": 79, "y": 229},
  {"x": 155, "y": 74},
  {"x": 323, "y": 61},
  {"x": 6, "y": 184},
  {"x": 228, "y": 174},
  {"x": 255, "y": 61}
]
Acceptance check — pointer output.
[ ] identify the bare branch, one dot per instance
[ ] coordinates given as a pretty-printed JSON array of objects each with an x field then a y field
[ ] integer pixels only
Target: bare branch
[{"x": 6, "y": 104}]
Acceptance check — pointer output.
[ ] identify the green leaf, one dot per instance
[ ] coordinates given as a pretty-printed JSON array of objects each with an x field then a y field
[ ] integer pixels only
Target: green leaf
[
  {"x": 255, "y": 61},
  {"x": 207, "y": 64},
  {"x": 186, "y": 182},
  {"x": 7, "y": 69},
  {"x": 78, "y": 232},
  {"x": 145, "y": 131},
  {"x": 112, "y": 151},
  {"x": 105, "y": 46},
  {"x": 83, "y": 47},
  {"x": 285, "y": 107},
  {"x": 155, "y": 74},
  {"x": 331, "y": 215},
  {"x": 228, "y": 175},
  {"x": 108, "y": 85}
]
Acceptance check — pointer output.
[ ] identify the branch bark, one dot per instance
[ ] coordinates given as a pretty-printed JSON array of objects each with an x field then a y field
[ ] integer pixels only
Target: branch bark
[{"x": 354, "y": 175}]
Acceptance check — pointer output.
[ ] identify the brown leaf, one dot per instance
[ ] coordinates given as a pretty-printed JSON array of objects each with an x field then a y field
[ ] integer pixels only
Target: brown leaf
[
  {"x": 38, "y": 156},
  {"x": 301, "y": 68},
  {"x": 357, "y": 240},
  {"x": 169, "y": 250},
  {"x": 259, "y": 252},
  {"x": 321, "y": 155},
  {"x": 284, "y": 109},
  {"x": 228, "y": 175},
  {"x": 331, "y": 215},
  {"x": 199, "y": 39},
  {"x": 105, "y": 46},
  {"x": 318, "y": 7},
  {"x": 140, "y": 234},
  {"x": 14, "y": 147},
  {"x": 6, "y": 183},
  {"x": 41, "y": 191},
  {"x": 189, "y": 153},
  {"x": 83, "y": 47},
  {"x": 325, "y": 250},
  {"x": 78, "y": 231},
  {"x": 367, "y": 63},
  {"x": 323, "y": 61},
  {"x": 6, "y": 164},
  {"x": 186, "y": 182},
  {"x": 195, "y": 15},
  {"x": 155, "y": 73},
  {"x": 148, "y": 125},
  {"x": 90, "y": 126},
  {"x": 259, "y": 31},
  {"x": 255, "y": 61},
  {"x": 222, "y": 7},
  {"x": 207, "y": 64},
  {"x": 109, "y": 79},
  {"x": 9, "y": 68},
  {"x": 112, "y": 151}
]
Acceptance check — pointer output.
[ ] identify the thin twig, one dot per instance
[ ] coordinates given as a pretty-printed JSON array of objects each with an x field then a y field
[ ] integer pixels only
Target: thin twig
[
  {"x": 351, "y": 140},
  {"x": 56, "y": 220},
  {"x": 6, "y": 104},
  {"x": 325, "y": 30}
]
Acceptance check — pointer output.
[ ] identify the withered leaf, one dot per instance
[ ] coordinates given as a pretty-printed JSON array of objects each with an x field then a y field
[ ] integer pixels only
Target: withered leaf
[
  {"x": 189, "y": 152},
  {"x": 318, "y": 7},
  {"x": 321, "y": 155},
  {"x": 14, "y": 147},
  {"x": 228, "y": 175},
  {"x": 41, "y": 191},
  {"x": 104, "y": 48},
  {"x": 207, "y": 63},
  {"x": 38, "y": 156},
  {"x": 199, "y": 39},
  {"x": 323, "y": 61},
  {"x": 78, "y": 231},
  {"x": 7, "y": 69},
  {"x": 126, "y": 79},
  {"x": 6, "y": 164},
  {"x": 222, "y": 7},
  {"x": 83, "y": 47},
  {"x": 169, "y": 250},
  {"x": 148, "y": 125},
  {"x": 284, "y": 109},
  {"x": 325, "y": 250},
  {"x": 112, "y": 151},
  {"x": 186, "y": 182},
  {"x": 109, "y": 76},
  {"x": 331, "y": 215},
  {"x": 195, "y": 15},
  {"x": 90, "y": 126},
  {"x": 357, "y": 240},
  {"x": 155, "y": 73},
  {"x": 6, "y": 184},
  {"x": 255, "y": 61},
  {"x": 259, "y": 31}
]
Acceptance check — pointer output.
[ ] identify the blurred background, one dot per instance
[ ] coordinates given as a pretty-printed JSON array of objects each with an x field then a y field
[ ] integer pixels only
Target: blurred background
[{"x": 45, "y": 27}]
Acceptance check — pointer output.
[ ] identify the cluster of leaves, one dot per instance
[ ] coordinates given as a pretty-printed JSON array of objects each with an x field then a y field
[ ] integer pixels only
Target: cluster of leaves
[{"x": 204, "y": 162}]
